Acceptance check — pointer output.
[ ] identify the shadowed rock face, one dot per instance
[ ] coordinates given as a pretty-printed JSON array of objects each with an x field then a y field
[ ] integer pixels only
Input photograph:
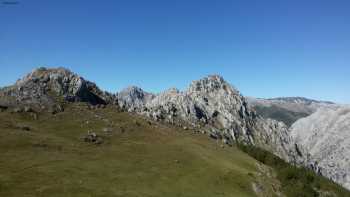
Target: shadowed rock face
[
  {"x": 214, "y": 105},
  {"x": 42, "y": 87},
  {"x": 325, "y": 135}
]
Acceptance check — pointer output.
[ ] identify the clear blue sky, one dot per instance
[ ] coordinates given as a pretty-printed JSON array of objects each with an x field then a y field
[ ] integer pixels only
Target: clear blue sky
[{"x": 264, "y": 48}]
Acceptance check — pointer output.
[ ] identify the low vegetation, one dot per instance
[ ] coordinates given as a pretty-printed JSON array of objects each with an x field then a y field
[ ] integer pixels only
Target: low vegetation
[
  {"x": 280, "y": 114},
  {"x": 296, "y": 181}
]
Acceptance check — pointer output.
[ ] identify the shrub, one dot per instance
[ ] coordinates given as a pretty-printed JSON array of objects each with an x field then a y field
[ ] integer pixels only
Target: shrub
[{"x": 295, "y": 181}]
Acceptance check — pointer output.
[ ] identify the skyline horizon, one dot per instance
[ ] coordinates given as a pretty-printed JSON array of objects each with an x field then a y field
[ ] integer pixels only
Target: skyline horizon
[
  {"x": 160, "y": 91},
  {"x": 264, "y": 48}
]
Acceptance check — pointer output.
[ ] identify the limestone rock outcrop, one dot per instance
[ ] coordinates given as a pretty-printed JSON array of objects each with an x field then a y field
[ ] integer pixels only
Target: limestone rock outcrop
[
  {"x": 215, "y": 106},
  {"x": 43, "y": 86},
  {"x": 326, "y": 137}
]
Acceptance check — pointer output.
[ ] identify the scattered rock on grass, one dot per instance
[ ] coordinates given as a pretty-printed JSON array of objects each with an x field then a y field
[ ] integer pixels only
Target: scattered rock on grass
[
  {"x": 93, "y": 138},
  {"x": 17, "y": 110},
  {"x": 137, "y": 123},
  {"x": 28, "y": 109},
  {"x": 3, "y": 108},
  {"x": 23, "y": 127},
  {"x": 34, "y": 115},
  {"x": 107, "y": 130},
  {"x": 57, "y": 108}
]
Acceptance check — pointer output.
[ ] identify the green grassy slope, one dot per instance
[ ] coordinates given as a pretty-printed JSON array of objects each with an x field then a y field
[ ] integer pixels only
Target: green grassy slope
[
  {"x": 280, "y": 114},
  {"x": 48, "y": 157},
  {"x": 136, "y": 158}
]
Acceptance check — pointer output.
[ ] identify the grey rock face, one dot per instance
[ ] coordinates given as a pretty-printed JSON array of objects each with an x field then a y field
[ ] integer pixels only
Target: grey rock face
[
  {"x": 133, "y": 98},
  {"x": 43, "y": 86},
  {"x": 215, "y": 106},
  {"x": 326, "y": 137}
]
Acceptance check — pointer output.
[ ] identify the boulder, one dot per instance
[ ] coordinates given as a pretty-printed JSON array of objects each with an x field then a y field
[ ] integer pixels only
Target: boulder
[
  {"x": 93, "y": 138},
  {"x": 3, "y": 108}
]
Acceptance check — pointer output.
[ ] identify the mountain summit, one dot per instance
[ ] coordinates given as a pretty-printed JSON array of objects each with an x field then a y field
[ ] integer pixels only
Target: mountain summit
[
  {"x": 213, "y": 106},
  {"x": 43, "y": 86}
]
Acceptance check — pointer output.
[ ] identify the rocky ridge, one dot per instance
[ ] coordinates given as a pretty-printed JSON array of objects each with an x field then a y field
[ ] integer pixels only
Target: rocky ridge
[
  {"x": 217, "y": 108},
  {"x": 210, "y": 105},
  {"x": 133, "y": 98}
]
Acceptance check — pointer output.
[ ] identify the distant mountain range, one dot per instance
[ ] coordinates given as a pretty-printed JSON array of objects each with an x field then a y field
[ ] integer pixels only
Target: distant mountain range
[{"x": 287, "y": 109}]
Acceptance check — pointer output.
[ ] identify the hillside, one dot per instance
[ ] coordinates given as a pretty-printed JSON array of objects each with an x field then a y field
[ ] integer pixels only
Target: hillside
[
  {"x": 134, "y": 157},
  {"x": 53, "y": 120},
  {"x": 87, "y": 151}
]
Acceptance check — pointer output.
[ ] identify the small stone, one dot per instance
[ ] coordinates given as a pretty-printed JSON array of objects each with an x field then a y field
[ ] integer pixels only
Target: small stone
[
  {"x": 3, "y": 108},
  {"x": 213, "y": 136},
  {"x": 107, "y": 130},
  {"x": 34, "y": 115},
  {"x": 28, "y": 109},
  {"x": 92, "y": 137},
  {"x": 137, "y": 123},
  {"x": 23, "y": 127},
  {"x": 17, "y": 109}
]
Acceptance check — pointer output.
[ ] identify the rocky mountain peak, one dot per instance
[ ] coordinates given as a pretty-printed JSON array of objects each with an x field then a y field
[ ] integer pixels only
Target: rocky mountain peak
[
  {"x": 59, "y": 80},
  {"x": 133, "y": 92},
  {"x": 43, "y": 86},
  {"x": 133, "y": 98},
  {"x": 215, "y": 107},
  {"x": 211, "y": 83},
  {"x": 43, "y": 74}
]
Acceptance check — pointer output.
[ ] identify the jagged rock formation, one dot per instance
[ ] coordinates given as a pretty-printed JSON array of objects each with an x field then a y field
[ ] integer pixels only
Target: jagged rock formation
[
  {"x": 287, "y": 109},
  {"x": 42, "y": 87},
  {"x": 133, "y": 98},
  {"x": 326, "y": 135},
  {"x": 213, "y": 105}
]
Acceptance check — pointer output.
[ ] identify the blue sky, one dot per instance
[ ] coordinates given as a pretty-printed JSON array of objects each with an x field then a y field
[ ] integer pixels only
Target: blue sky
[{"x": 264, "y": 48}]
